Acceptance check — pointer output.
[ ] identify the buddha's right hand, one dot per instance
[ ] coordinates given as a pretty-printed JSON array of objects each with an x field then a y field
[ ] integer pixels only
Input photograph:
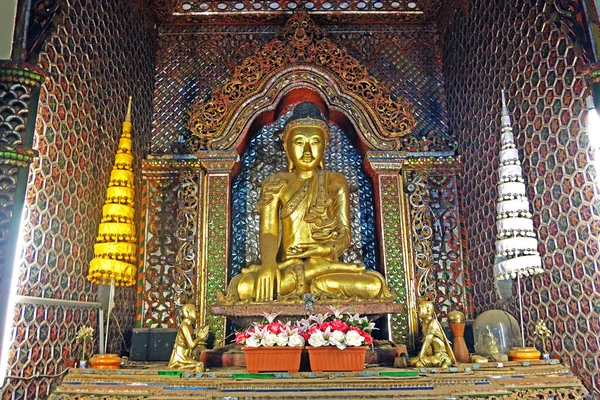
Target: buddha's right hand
[{"x": 266, "y": 286}]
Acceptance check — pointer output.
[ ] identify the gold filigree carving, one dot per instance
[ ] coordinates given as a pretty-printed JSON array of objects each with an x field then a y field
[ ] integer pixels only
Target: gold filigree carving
[
  {"x": 187, "y": 235},
  {"x": 301, "y": 43},
  {"x": 422, "y": 232}
]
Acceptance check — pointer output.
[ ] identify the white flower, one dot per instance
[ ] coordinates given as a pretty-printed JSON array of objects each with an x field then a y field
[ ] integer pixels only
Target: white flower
[
  {"x": 336, "y": 312},
  {"x": 270, "y": 317},
  {"x": 354, "y": 318},
  {"x": 269, "y": 339},
  {"x": 353, "y": 338},
  {"x": 295, "y": 340},
  {"x": 319, "y": 318},
  {"x": 282, "y": 339},
  {"x": 253, "y": 341},
  {"x": 258, "y": 331},
  {"x": 338, "y": 339},
  {"x": 327, "y": 333},
  {"x": 84, "y": 333},
  {"x": 316, "y": 339},
  {"x": 303, "y": 325}
]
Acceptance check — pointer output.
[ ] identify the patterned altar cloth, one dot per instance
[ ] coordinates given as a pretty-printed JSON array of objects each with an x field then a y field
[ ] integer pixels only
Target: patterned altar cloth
[{"x": 510, "y": 380}]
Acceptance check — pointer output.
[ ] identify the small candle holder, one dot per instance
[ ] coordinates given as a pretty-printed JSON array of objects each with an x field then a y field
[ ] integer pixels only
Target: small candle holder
[{"x": 544, "y": 333}]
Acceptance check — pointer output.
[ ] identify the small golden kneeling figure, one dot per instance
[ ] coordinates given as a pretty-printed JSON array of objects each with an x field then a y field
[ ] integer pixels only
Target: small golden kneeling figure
[
  {"x": 185, "y": 344},
  {"x": 436, "y": 350}
]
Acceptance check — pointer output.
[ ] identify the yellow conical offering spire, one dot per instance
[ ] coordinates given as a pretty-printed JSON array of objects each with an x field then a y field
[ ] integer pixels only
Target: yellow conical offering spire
[{"x": 115, "y": 250}]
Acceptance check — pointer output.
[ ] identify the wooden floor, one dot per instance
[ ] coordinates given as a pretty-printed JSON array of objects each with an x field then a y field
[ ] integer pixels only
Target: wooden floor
[{"x": 511, "y": 380}]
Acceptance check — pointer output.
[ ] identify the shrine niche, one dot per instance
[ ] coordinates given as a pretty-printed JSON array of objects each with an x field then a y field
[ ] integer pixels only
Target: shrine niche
[{"x": 416, "y": 230}]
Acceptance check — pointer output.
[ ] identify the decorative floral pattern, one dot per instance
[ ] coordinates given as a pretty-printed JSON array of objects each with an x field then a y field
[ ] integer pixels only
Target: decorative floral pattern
[{"x": 191, "y": 61}]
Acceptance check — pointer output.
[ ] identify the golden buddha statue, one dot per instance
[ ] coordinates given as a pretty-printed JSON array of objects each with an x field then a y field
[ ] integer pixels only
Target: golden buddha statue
[
  {"x": 185, "y": 343},
  {"x": 304, "y": 227},
  {"x": 436, "y": 350}
]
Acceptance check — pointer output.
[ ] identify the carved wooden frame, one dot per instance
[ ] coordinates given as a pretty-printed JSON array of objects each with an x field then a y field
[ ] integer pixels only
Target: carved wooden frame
[{"x": 301, "y": 44}]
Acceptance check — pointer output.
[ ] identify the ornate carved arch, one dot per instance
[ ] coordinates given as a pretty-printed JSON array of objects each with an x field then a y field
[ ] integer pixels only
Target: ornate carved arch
[{"x": 300, "y": 57}]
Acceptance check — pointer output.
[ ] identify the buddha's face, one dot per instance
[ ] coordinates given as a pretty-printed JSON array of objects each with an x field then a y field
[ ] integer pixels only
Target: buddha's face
[{"x": 305, "y": 147}]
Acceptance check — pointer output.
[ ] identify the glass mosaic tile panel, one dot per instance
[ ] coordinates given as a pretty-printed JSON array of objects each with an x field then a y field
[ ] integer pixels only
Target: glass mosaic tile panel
[
  {"x": 98, "y": 54},
  {"x": 517, "y": 46}
]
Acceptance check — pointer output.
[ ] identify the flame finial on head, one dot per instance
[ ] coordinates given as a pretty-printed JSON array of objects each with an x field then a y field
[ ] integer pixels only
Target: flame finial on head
[
  {"x": 128, "y": 116},
  {"x": 505, "y": 116}
]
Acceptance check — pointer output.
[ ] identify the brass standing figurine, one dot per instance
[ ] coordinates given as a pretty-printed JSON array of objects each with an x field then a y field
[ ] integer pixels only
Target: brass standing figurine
[
  {"x": 185, "y": 343},
  {"x": 304, "y": 227},
  {"x": 436, "y": 350}
]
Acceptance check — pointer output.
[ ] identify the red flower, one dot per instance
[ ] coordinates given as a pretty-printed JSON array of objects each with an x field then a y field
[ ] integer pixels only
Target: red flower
[
  {"x": 276, "y": 327},
  {"x": 241, "y": 337},
  {"x": 338, "y": 325},
  {"x": 315, "y": 328},
  {"x": 368, "y": 338}
]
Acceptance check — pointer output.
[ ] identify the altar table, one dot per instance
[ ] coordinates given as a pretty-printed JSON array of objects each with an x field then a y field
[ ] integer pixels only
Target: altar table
[{"x": 509, "y": 380}]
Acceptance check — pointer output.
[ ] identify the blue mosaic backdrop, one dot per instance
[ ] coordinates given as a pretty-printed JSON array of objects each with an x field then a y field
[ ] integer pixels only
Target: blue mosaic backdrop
[{"x": 265, "y": 156}]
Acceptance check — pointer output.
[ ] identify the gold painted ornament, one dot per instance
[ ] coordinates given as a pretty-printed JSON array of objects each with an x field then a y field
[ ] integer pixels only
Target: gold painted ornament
[
  {"x": 436, "y": 350},
  {"x": 300, "y": 43},
  {"x": 116, "y": 250},
  {"x": 544, "y": 333},
  {"x": 186, "y": 345}
]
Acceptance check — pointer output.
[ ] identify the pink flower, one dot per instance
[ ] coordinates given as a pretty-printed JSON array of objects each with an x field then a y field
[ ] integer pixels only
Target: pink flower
[
  {"x": 303, "y": 325},
  {"x": 270, "y": 317},
  {"x": 319, "y": 318},
  {"x": 337, "y": 313}
]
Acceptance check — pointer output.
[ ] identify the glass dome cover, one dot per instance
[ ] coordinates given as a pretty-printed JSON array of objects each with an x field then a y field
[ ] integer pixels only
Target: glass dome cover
[{"x": 495, "y": 332}]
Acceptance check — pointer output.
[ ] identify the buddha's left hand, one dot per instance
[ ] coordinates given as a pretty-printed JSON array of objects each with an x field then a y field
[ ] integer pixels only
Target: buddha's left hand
[{"x": 306, "y": 250}]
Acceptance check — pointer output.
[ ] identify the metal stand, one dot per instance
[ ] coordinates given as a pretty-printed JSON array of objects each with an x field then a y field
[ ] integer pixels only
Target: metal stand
[
  {"x": 111, "y": 303},
  {"x": 521, "y": 310}
]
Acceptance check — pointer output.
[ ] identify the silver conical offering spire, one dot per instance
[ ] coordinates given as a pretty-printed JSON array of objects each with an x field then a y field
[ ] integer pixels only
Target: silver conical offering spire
[{"x": 516, "y": 241}]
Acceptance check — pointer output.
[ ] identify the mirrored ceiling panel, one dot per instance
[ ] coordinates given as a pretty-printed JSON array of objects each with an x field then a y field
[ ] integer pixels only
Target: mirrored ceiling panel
[{"x": 276, "y": 11}]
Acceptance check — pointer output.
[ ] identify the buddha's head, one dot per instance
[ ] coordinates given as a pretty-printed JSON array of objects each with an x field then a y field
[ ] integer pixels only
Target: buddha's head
[{"x": 305, "y": 137}]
